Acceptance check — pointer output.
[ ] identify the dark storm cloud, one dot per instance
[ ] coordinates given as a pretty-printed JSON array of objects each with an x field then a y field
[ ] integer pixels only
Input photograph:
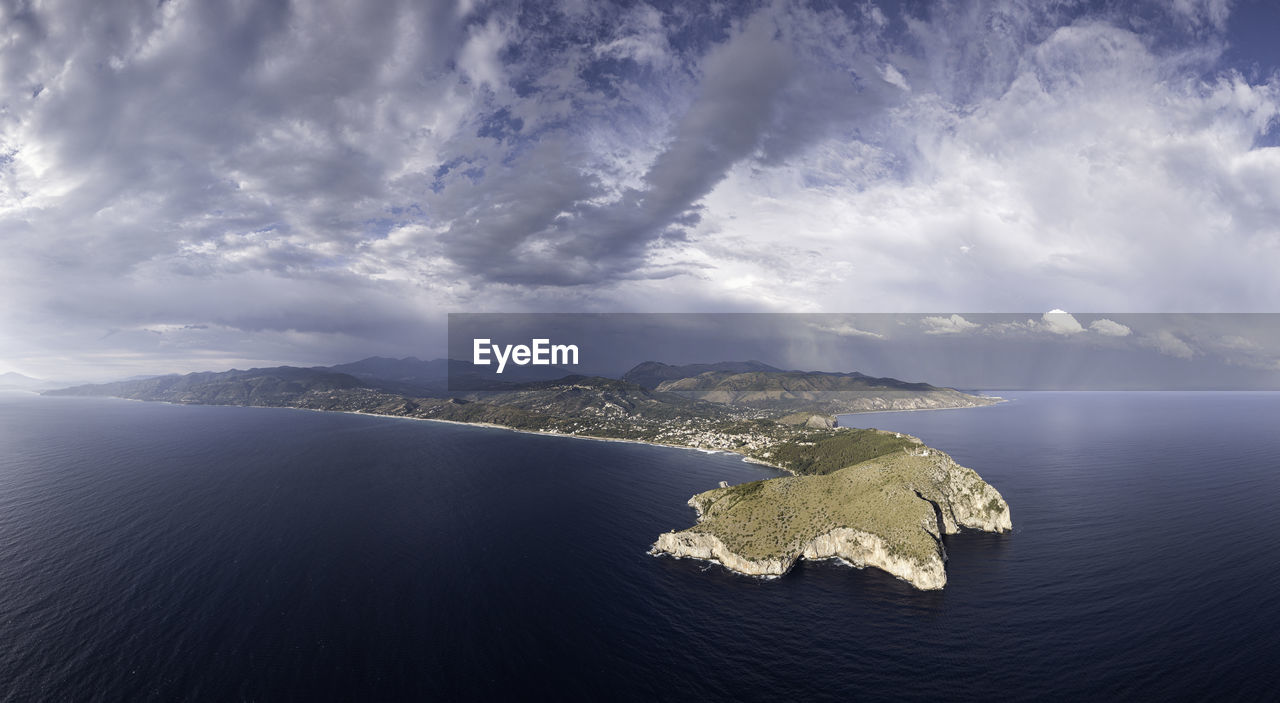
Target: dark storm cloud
[
  {"x": 221, "y": 139},
  {"x": 538, "y": 219}
]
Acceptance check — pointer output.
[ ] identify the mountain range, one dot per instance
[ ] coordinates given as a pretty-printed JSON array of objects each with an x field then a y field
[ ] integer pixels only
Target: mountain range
[
  {"x": 12, "y": 380},
  {"x": 651, "y": 389}
]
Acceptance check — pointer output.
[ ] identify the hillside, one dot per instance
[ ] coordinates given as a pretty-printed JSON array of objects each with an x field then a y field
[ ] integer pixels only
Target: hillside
[
  {"x": 410, "y": 375},
  {"x": 617, "y": 408},
  {"x": 600, "y": 397},
  {"x": 270, "y": 387},
  {"x": 651, "y": 374},
  {"x": 818, "y": 391}
]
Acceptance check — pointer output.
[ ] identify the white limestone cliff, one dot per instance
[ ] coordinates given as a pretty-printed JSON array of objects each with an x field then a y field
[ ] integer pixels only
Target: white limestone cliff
[{"x": 861, "y": 549}]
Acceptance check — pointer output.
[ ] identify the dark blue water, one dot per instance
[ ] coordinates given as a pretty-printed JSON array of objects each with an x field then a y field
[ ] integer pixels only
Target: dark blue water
[{"x": 157, "y": 552}]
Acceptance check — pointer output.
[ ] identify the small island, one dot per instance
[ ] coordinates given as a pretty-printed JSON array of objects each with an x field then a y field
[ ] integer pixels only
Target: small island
[
  {"x": 868, "y": 497},
  {"x": 889, "y": 512}
]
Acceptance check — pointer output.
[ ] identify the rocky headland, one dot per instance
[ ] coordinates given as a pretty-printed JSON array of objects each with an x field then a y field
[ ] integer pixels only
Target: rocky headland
[{"x": 889, "y": 512}]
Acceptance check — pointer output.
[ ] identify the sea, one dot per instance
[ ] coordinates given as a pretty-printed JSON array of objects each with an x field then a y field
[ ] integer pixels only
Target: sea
[{"x": 155, "y": 552}]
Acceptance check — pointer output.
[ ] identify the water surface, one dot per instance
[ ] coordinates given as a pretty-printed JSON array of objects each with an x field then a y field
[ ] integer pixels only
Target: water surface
[{"x": 160, "y": 552}]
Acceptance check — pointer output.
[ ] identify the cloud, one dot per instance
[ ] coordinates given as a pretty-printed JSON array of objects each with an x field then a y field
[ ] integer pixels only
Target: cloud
[
  {"x": 336, "y": 173},
  {"x": 1060, "y": 322},
  {"x": 946, "y": 325},
  {"x": 1109, "y": 328},
  {"x": 845, "y": 329},
  {"x": 535, "y": 230},
  {"x": 479, "y": 59},
  {"x": 894, "y": 77},
  {"x": 1203, "y": 13},
  {"x": 1169, "y": 344},
  {"x": 1235, "y": 341},
  {"x": 640, "y": 37},
  {"x": 1133, "y": 131}
]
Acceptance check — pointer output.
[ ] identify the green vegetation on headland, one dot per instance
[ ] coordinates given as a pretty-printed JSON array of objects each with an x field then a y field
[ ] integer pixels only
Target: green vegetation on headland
[
  {"x": 812, "y": 391},
  {"x": 867, "y": 496},
  {"x": 822, "y": 454},
  {"x": 889, "y": 511},
  {"x": 774, "y": 519}
]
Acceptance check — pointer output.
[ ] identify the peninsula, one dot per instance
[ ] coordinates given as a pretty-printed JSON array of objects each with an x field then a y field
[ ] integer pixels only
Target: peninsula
[
  {"x": 869, "y": 497},
  {"x": 889, "y": 511}
]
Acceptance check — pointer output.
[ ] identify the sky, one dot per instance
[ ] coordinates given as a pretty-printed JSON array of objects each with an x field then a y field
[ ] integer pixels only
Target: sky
[
  {"x": 1055, "y": 350},
  {"x": 200, "y": 185}
]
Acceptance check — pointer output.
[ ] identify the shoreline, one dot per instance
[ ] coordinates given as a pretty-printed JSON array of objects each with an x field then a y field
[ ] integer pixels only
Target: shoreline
[
  {"x": 486, "y": 425},
  {"x": 489, "y": 425},
  {"x": 746, "y": 458}
]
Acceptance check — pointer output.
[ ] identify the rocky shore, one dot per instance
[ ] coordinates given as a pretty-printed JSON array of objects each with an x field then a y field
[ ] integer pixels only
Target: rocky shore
[
  {"x": 858, "y": 548},
  {"x": 889, "y": 513}
]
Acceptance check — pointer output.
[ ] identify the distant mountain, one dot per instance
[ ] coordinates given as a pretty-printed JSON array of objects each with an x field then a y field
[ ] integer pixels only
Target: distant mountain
[
  {"x": 381, "y": 383},
  {"x": 410, "y": 375},
  {"x": 385, "y": 368},
  {"x": 141, "y": 377},
  {"x": 652, "y": 373},
  {"x": 13, "y": 380},
  {"x": 413, "y": 376},
  {"x": 285, "y": 385},
  {"x": 827, "y": 392},
  {"x": 791, "y": 381},
  {"x": 270, "y": 386}
]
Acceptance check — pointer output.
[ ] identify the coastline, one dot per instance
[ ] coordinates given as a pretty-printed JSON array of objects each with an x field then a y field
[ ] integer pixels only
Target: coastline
[
  {"x": 487, "y": 425},
  {"x": 727, "y": 534},
  {"x": 745, "y": 457},
  {"x": 490, "y": 425},
  {"x": 851, "y": 546}
]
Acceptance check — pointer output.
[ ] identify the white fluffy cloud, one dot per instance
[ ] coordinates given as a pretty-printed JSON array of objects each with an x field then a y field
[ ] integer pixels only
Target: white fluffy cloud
[
  {"x": 1109, "y": 328},
  {"x": 955, "y": 324},
  {"x": 1101, "y": 175},
  {"x": 1167, "y": 342},
  {"x": 1060, "y": 322}
]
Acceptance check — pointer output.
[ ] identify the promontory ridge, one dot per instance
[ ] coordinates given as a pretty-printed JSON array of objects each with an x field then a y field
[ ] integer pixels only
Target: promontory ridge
[{"x": 868, "y": 497}]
